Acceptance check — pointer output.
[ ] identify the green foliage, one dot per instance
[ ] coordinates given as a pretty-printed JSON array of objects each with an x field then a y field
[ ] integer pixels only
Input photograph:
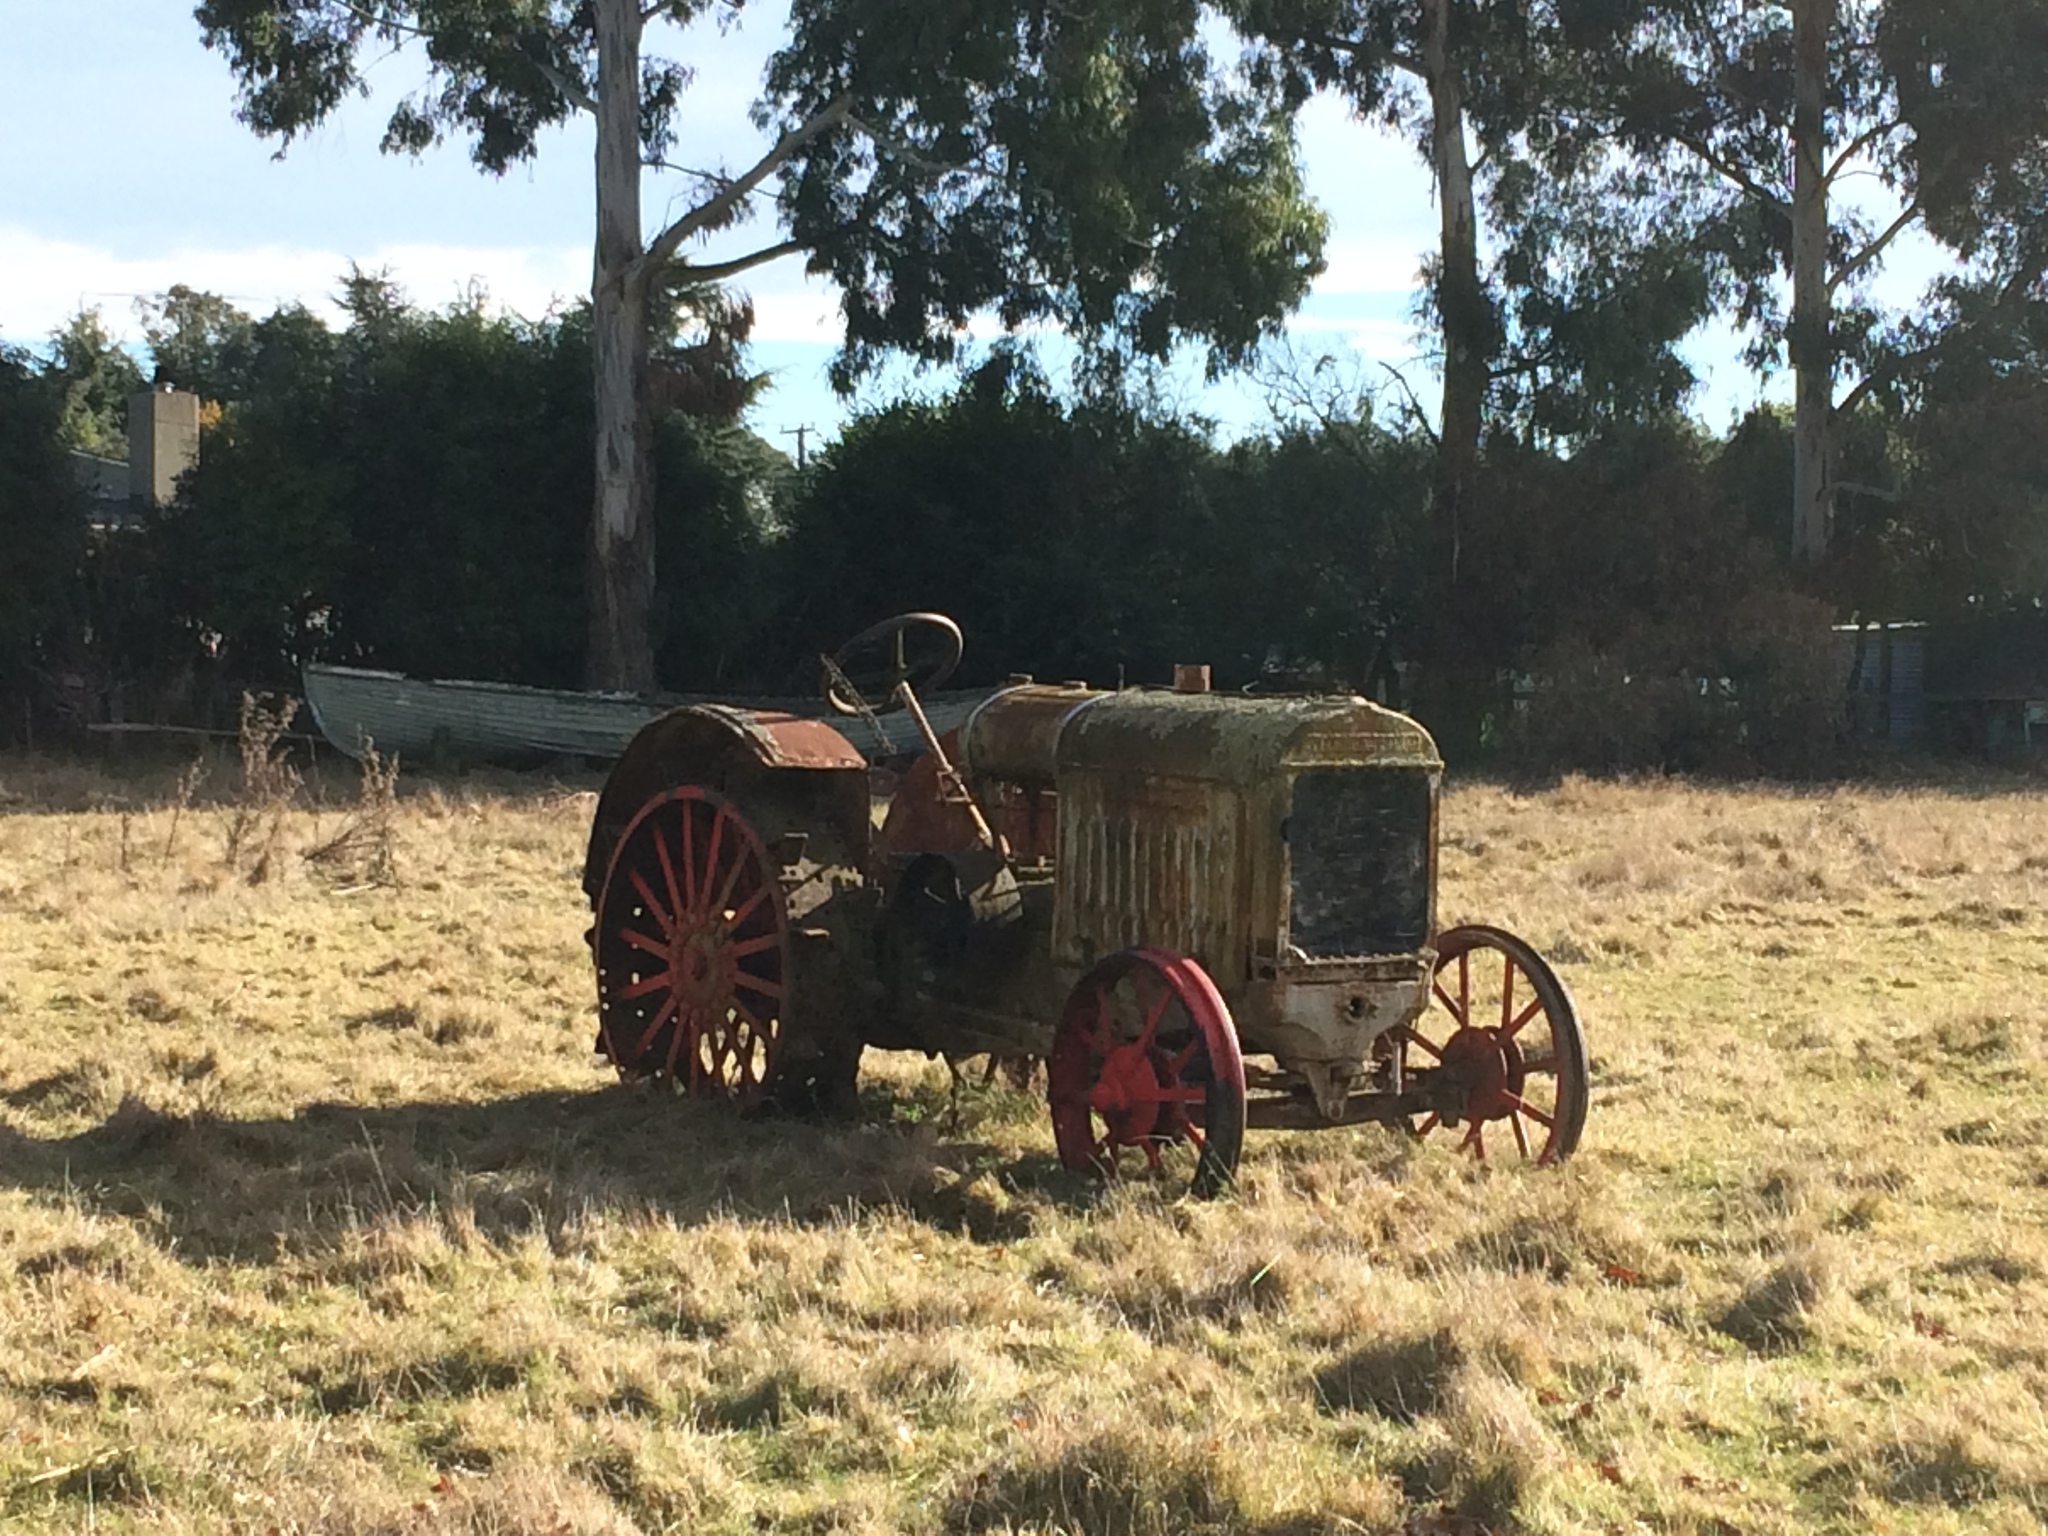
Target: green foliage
[
  {"x": 410, "y": 492},
  {"x": 42, "y": 527},
  {"x": 1088, "y": 166},
  {"x": 499, "y": 67},
  {"x": 1021, "y": 514},
  {"x": 95, "y": 378},
  {"x": 199, "y": 342},
  {"x": 407, "y": 493},
  {"x": 719, "y": 500}
]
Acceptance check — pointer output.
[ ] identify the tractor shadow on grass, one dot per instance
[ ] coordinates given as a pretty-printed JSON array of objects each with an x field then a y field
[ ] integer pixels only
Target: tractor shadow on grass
[{"x": 249, "y": 1191}]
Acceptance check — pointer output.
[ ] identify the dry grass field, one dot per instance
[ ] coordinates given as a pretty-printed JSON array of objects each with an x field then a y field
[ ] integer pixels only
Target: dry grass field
[{"x": 316, "y": 1217}]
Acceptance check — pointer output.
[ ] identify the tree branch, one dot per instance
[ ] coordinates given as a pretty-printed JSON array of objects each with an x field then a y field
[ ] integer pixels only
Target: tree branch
[
  {"x": 384, "y": 23},
  {"x": 656, "y": 163},
  {"x": 1857, "y": 145},
  {"x": 715, "y": 210},
  {"x": 1872, "y": 251},
  {"x": 1416, "y": 412},
  {"x": 572, "y": 91},
  {"x": 1731, "y": 171},
  {"x": 1889, "y": 369},
  {"x": 719, "y": 271}
]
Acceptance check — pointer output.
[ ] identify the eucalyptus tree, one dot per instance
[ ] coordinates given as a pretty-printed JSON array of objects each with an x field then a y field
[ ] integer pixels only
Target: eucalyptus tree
[
  {"x": 1079, "y": 165},
  {"x": 1754, "y": 117},
  {"x": 1411, "y": 64},
  {"x": 1543, "y": 324}
]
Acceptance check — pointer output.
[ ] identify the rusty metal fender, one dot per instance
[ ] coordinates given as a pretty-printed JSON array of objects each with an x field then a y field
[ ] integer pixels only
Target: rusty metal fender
[{"x": 705, "y": 744}]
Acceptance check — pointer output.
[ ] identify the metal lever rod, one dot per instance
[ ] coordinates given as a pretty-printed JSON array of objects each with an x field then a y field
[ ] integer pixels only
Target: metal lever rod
[{"x": 950, "y": 781}]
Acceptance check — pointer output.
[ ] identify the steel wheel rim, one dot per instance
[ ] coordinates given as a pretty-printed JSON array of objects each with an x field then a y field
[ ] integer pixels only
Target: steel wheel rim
[
  {"x": 1501, "y": 1019},
  {"x": 692, "y": 946},
  {"x": 1146, "y": 1058}
]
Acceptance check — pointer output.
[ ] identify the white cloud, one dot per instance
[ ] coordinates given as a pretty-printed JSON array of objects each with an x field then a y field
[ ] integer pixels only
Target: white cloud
[
  {"x": 43, "y": 282},
  {"x": 789, "y": 306},
  {"x": 1372, "y": 264}
]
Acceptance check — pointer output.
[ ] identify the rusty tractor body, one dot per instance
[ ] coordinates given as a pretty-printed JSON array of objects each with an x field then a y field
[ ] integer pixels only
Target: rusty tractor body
[{"x": 1205, "y": 911}]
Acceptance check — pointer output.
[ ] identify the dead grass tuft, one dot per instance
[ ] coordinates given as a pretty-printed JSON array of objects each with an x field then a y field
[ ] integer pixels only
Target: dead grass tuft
[
  {"x": 1775, "y": 1312},
  {"x": 1401, "y": 1378}
]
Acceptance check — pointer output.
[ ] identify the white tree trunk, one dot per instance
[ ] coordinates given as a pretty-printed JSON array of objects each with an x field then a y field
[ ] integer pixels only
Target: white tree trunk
[
  {"x": 1461, "y": 299},
  {"x": 620, "y": 654},
  {"x": 1811, "y": 344}
]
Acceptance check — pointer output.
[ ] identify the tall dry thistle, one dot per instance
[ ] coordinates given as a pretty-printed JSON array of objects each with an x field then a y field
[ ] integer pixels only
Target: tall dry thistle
[
  {"x": 367, "y": 846},
  {"x": 181, "y": 801},
  {"x": 269, "y": 784}
]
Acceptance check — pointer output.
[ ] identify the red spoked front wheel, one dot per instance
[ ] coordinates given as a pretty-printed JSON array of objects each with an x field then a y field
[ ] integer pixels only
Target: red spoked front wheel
[
  {"x": 1146, "y": 1057},
  {"x": 1501, "y": 1026},
  {"x": 692, "y": 948}
]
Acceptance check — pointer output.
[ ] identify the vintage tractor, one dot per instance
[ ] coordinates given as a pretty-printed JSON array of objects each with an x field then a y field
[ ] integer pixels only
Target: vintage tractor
[{"x": 1205, "y": 911}]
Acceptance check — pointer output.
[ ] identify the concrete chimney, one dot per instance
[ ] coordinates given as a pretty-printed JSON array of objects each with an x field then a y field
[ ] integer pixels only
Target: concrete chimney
[{"x": 163, "y": 442}]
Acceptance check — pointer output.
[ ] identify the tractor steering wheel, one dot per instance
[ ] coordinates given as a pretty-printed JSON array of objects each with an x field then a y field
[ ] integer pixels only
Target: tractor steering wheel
[{"x": 875, "y": 682}]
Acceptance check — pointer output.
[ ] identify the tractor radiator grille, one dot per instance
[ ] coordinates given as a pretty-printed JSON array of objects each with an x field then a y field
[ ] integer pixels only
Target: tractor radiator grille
[{"x": 1358, "y": 854}]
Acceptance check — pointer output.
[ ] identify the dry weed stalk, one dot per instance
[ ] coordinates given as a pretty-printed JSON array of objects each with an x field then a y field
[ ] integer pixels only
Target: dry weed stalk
[
  {"x": 269, "y": 784},
  {"x": 181, "y": 801},
  {"x": 366, "y": 846}
]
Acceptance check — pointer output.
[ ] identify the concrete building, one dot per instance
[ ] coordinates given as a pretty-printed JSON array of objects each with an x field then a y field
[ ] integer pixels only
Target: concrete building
[{"x": 163, "y": 442}]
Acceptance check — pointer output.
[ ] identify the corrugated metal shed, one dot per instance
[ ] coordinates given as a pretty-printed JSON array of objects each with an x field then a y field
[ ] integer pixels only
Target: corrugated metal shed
[{"x": 1883, "y": 668}]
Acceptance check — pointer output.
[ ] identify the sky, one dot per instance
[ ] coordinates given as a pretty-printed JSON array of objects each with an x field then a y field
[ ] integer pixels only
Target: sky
[{"x": 123, "y": 171}]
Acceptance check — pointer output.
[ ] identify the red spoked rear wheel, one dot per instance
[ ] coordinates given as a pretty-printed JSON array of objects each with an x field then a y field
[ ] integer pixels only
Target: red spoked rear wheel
[
  {"x": 1146, "y": 1057},
  {"x": 692, "y": 945},
  {"x": 1501, "y": 1024}
]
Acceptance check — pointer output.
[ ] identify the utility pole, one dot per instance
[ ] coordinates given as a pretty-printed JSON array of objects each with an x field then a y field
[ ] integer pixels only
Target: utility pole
[{"x": 801, "y": 434}]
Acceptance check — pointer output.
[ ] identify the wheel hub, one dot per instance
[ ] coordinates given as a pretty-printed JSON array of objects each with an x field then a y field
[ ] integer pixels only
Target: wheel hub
[
  {"x": 700, "y": 968},
  {"x": 1489, "y": 1065},
  {"x": 1127, "y": 1095}
]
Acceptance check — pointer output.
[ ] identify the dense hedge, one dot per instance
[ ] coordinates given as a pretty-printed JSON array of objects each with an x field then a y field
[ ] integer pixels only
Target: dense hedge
[{"x": 412, "y": 491}]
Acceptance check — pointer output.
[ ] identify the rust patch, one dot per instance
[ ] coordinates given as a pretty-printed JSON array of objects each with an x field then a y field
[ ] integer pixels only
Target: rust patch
[{"x": 790, "y": 741}]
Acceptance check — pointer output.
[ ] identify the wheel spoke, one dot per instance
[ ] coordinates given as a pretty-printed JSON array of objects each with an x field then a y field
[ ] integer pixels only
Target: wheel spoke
[
  {"x": 1539, "y": 1066},
  {"x": 711, "y": 856},
  {"x": 1098, "y": 1039},
  {"x": 662, "y": 920},
  {"x": 641, "y": 941},
  {"x": 647, "y": 984},
  {"x": 1507, "y": 991},
  {"x": 1446, "y": 999},
  {"x": 761, "y": 1030},
  {"x": 1509, "y": 1031},
  {"x": 754, "y": 946},
  {"x": 1195, "y": 1135},
  {"x": 689, "y": 853},
  {"x": 1415, "y": 1038},
  {"x": 756, "y": 984},
  {"x": 1187, "y": 1093},
  {"x": 1465, "y": 987},
  {"x": 1521, "y": 1135},
  {"x": 1152, "y": 1019},
  {"x": 1516, "y": 1102},
  {"x": 1179, "y": 1063},
  {"x": 685, "y": 1038},
  {"x": 1475, "y": 1141},
  {"x": 668, "y": 1006},
  {"x": 1429, "y": 1124},
  {"x": 668, "y": 871},
  {"x": 745, "y": 909},
  {"x": 732, "y": 875}
]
